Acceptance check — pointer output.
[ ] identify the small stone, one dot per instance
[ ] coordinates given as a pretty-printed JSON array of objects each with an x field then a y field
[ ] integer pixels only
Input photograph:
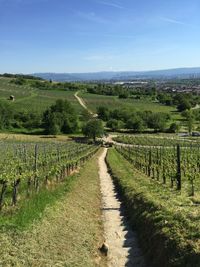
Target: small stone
[{"x": 104, "y": 249}]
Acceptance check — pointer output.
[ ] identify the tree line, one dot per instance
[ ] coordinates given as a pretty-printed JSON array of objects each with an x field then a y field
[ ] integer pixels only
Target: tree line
[
  {"x": 137, "y": 121},
  {"x": 59, "y": 118}
]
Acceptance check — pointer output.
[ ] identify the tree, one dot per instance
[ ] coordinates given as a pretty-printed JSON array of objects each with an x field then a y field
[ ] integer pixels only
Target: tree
[
  {"x": 123, "y": 95},
  {"x": 135, "y": 123},
  {"x": 158, "y": 121},
  {"x": 85, "y": 115},
  {"x": 60, "y": 116},
  {"x": 184, "y": 104},
  {"x": 103, "y": 113},
  {"x": 174, "y": 128},
  {"x": 190, "y": 124},
  {"x": 93, "y": 129},
  {"x": 115, "y": 124},
  {"x": 189, "y": 116}
]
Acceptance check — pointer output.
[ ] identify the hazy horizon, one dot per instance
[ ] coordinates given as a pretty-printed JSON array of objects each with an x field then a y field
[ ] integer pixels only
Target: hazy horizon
[{"x": 148, "y": 70}]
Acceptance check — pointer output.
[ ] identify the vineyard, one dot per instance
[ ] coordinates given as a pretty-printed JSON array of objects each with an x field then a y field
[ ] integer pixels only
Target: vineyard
[
  {"x": 174, "y": 166},
  {"x": 152, "y": 140},
  {"x": 27, "y": 167},
  {"x": 167, "y": 219}
]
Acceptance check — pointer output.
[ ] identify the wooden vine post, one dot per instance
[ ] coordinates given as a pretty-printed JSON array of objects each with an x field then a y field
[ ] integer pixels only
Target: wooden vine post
[
  {"x": 150, "y": 162},
  {"x": 35, "y": 168},
  {"x": 178, "y": 177},
  {"x": 3, "y": 192}
]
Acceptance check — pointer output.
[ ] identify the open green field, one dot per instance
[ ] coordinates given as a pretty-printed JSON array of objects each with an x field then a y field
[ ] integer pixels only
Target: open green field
[
  {"x": 33, "y": 99},
  {"x": 32, "y": 138},
  {"x": 112, "y": 102}
]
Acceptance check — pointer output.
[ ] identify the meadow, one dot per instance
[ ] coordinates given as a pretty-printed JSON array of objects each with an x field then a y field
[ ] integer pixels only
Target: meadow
[
  {"x": 32, "y": 99},
  {"x": 93, "y": 101}
]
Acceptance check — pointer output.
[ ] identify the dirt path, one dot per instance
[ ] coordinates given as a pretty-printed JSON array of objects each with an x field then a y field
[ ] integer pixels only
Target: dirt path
[
  {"x": 122, "y": 242},
  {"x": 82, "y": 103}
]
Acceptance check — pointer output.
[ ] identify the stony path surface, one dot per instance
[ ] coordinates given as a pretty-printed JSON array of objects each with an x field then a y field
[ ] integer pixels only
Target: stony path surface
[{"x": 122, "y": 241}]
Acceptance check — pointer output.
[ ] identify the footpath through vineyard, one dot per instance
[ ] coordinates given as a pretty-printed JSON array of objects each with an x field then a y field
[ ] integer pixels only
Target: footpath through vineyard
[{"x": 122, "y": 241}]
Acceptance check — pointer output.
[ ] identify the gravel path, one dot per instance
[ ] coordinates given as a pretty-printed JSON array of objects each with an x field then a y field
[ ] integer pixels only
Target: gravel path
[
  {"x": 122, "y": 241},
  {"x": 82, "y": 103}
]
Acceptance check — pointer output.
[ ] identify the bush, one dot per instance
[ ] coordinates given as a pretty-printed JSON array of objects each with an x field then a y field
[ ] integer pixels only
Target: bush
[{"x": 6, "y": 115}]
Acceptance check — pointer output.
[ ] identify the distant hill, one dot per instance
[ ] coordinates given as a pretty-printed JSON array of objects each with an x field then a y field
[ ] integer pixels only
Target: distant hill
[{"x": 124, "y": 75}]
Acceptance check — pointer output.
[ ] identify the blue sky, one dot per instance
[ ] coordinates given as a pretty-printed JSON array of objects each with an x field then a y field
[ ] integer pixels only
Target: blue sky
[{"x": 98, "y": 35}]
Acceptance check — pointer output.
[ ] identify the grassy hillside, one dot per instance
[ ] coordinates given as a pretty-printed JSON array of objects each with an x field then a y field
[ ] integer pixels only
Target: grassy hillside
[
  {"x": 37, "y": 100},
  {"x": 33, "y": 99},
  {"x": 93, "y": 101}
]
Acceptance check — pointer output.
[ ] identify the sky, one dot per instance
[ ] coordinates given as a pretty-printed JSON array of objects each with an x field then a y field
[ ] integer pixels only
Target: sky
[{"x": 98, "y": 35}]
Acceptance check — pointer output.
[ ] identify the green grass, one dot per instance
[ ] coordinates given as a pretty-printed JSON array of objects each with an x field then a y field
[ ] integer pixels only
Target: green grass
[
  {"x": 33, "y": 208},
  {"x": 7, "y": 88},
  {"x": 33, "y": 99},
  {"x": 167, "y": 221},
  {"x": 93, "y": 101},
  {"x": 61, "y": 228}
]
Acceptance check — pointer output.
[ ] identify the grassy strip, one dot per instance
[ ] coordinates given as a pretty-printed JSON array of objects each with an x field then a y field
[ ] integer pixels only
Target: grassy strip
[
  {"x": 33, "y": 209},
  {"x": 164, "y": 219},
  {"x": 69, "y": 230}
]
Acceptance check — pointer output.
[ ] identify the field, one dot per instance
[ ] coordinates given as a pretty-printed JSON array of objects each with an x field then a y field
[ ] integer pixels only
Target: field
[
  {"x": 32, "y": 138},
  {"x": 112, "y": 102},
  {"x": 32, "y": 99}
]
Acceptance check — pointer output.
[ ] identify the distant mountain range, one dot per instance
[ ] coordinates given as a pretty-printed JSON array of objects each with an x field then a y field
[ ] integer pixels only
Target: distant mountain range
[{"x": 122, "y": 75}]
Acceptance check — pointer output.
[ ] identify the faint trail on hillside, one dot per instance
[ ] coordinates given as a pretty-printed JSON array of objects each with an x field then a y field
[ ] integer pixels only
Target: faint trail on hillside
[
  {"x": 122, "y": 241},
  {"x": 83, "y": 104}
]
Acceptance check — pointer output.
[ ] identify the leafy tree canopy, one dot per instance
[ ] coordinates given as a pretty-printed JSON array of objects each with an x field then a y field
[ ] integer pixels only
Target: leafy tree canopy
[
  {"x": 93, "y": 129},
  {"x": 60, "y": 118}
]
